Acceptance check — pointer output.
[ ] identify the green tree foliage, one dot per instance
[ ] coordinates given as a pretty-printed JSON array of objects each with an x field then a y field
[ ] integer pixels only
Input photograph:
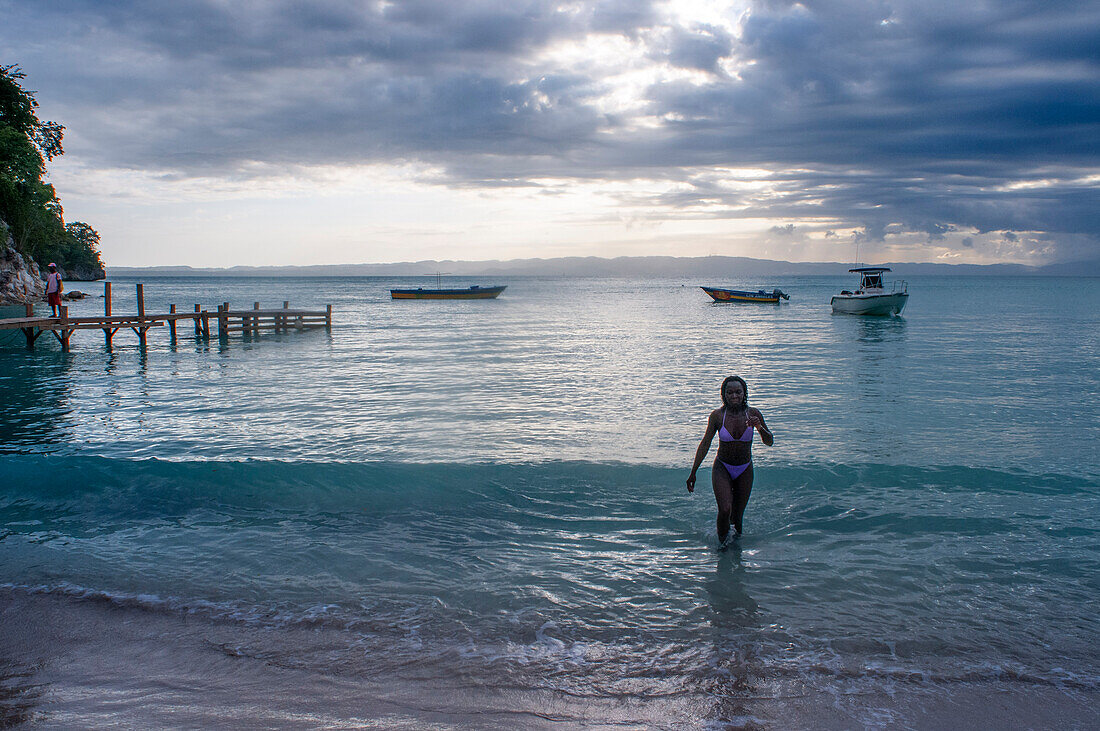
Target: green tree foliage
[
  {"x": 82, "y": 243},
  {"x": 29, "y": 206}
]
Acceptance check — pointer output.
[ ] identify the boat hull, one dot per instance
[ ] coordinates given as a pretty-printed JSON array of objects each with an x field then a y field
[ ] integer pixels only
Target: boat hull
[
  {"x": 736, "y": 295},
  {"x": 471, "y": 293},
  {"x": 870, "y": 304}
]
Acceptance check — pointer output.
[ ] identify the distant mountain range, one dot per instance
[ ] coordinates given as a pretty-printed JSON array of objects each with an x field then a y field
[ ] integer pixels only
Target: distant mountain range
[{"x": 625, "y": 266}]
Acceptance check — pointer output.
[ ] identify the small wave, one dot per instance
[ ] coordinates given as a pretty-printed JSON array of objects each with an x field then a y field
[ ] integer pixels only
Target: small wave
[
  {"x": 150, "y": 484},
  {"x": 944, "y": 671},
  {"x": 153, "y": 603}
]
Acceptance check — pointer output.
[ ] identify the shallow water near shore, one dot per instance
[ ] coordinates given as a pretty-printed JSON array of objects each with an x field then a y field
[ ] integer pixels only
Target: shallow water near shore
[{"x": 473, "y": 513}]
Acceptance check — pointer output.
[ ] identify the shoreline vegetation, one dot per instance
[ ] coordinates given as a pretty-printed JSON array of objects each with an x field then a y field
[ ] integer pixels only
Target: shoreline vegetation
[
  {"x": 713, "y": 267},
  {"x": 33, "y": 231}
]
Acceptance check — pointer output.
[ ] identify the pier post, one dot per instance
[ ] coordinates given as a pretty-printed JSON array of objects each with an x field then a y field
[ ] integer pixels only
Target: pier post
[
  {"x": 141, "y": 314},
  {"x": 65, "y": 332},
  {"x": 29, "y": 331},
  {"x": 108, "y": 333},
  {"x": 253, "y": 321}
]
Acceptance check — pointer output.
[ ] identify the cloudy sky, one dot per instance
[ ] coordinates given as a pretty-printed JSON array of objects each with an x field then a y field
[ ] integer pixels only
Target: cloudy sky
[{"x": 222, "y": 132}]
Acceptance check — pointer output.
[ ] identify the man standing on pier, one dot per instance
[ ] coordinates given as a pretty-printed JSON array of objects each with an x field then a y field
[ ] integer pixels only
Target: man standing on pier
[{"x": 54, "y": 288}]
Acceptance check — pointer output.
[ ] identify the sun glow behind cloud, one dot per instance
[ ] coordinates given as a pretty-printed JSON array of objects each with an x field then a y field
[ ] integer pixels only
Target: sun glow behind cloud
[
  {"x": 288, "y": 133},
  {"x": 413, "y": 209}
]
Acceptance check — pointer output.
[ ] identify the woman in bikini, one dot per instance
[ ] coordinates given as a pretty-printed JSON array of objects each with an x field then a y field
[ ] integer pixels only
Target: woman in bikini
[{"x": 732, "y": 474}]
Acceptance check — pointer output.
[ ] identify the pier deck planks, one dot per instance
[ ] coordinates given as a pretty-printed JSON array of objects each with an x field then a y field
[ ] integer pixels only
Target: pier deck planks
[{"x": 228, "y": 321}]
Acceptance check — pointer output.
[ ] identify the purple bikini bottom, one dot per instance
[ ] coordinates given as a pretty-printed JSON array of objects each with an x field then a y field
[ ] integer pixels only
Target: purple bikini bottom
[{"x": 736, "y": 470}]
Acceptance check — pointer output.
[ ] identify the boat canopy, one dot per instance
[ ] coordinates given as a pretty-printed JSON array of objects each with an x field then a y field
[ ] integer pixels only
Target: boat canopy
[{"x": 870, "y": 277}]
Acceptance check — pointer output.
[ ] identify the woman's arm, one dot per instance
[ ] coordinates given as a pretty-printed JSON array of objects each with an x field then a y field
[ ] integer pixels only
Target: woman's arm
[
  {"x": 704, "y": 447},
  {"x": 756, "y": 419}
]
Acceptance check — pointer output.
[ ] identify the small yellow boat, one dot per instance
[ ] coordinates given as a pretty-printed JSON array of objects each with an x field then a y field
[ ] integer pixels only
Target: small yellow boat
[{"x": 737, "y": 295}]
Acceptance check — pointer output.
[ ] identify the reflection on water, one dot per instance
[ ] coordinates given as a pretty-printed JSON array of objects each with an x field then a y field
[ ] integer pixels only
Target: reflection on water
[
  {"x": 735, "y": 680},
  {"x": 879, "y": 329},
  {"x": 876, "y": 383},
  {"x": 20, "y": 693},
  {"x": 730, "y": 603},
  {"x": 879, "y": 356},
  {"x": 35, "y": 403}
]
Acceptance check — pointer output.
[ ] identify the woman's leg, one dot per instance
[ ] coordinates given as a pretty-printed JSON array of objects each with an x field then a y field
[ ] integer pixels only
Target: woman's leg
[
  {"x": 723, "y": 495},
  {"x": 740, "y": 490}
]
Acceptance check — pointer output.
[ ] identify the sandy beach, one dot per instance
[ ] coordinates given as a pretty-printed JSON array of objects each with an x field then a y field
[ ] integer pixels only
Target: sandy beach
[{"x": 94, "y": 664}]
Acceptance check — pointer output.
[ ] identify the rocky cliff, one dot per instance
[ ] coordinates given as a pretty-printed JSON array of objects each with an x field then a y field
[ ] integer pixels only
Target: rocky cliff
[{"x": 20, "y": 279}]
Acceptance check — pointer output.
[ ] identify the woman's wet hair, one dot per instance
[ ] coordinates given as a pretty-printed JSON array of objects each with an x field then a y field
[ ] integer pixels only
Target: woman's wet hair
[{"x": 744, "y": 385}]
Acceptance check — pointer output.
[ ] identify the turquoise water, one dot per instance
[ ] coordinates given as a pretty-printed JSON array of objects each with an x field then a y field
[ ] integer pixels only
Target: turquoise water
[{"x": 489, "y": 495}]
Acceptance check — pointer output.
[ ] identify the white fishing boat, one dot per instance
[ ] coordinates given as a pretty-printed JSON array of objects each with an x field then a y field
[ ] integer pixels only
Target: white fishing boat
[{"x": 872, "y": 297}]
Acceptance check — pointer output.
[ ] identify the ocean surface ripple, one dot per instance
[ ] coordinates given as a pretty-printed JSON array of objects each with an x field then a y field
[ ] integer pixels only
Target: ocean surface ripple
[{"x": 491, "y": 496}]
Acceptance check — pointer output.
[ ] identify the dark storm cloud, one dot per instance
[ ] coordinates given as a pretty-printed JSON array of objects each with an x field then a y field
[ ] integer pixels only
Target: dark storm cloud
[
  {"x": 914, "y": 114},
  {"x": 700, "y": 47},
  {"x": 203, "y": 87},
  {"x": 886, "y": 116}
]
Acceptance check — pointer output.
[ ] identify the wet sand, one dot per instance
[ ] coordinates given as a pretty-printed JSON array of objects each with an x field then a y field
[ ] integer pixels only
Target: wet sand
[{"x": 68, "y": 663}]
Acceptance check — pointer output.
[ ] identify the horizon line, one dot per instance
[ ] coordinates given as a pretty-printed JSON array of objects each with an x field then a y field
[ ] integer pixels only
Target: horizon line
[{"x": 632, "y": 259}]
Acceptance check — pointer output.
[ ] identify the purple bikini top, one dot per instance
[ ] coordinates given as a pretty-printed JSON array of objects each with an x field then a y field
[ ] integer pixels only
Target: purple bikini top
[{"x": 725, "y": 436}]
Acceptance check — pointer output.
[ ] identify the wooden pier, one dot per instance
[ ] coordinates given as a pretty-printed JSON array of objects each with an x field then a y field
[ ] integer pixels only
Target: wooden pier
[{"x": 226, "y": 321}]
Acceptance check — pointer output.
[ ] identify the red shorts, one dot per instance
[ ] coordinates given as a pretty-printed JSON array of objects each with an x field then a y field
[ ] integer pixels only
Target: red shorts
[{"x": 54, "y": 298}]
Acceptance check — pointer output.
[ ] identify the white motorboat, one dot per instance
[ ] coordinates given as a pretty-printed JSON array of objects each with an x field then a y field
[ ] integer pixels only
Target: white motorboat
[{"x": 872, "y": 297}]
